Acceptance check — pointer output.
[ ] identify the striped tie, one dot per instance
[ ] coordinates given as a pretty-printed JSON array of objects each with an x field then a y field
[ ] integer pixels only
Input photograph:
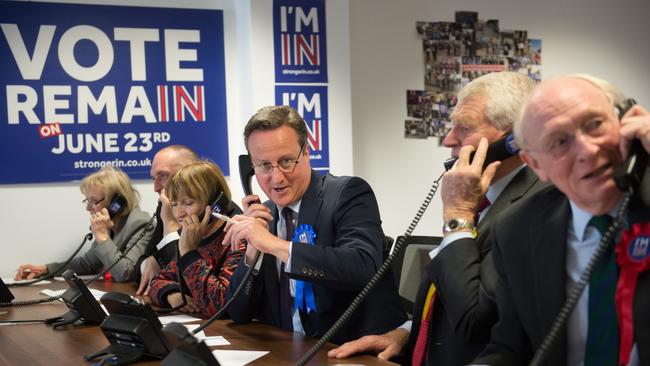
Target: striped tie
[
  {"x": 602, "y": 332},
  {"x": 421, "y": 342},
  {"x": 286, "y": 301}
]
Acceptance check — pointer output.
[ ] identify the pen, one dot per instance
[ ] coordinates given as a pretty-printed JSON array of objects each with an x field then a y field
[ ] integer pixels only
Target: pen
[{"x": 221, "y": 217}]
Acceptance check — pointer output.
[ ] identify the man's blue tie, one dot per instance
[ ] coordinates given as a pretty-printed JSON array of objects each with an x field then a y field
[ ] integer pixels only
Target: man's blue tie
[{"x": 602, "y": 333}]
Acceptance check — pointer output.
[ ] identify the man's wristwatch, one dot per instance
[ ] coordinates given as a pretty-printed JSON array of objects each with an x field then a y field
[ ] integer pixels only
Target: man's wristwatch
[{"x": 455, "y": 225}]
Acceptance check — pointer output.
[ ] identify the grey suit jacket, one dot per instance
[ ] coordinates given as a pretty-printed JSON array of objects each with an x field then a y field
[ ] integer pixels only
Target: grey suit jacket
[{"x": 101, "y": 256}]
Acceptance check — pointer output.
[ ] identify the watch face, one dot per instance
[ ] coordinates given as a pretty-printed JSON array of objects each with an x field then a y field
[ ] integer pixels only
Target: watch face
[{"x": 457, "y": 224}]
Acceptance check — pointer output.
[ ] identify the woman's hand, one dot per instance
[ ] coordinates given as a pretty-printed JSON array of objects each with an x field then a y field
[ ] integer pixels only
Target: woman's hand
[
  {"x": 101, "y": 225},
  {"x": 193, "y": 231},
  {"x": 30, "y": 271}
]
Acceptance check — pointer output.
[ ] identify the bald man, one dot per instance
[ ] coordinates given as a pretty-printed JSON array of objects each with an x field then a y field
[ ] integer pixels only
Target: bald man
[{"x": 572, "y": 136}]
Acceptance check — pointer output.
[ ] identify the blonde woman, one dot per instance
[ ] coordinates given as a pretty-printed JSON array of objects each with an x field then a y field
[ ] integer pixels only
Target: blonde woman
[{"x": 111, "y": 234}]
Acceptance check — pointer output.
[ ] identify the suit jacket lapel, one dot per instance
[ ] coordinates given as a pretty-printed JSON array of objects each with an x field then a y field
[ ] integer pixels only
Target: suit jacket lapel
[
  {"x": 311, "y": 203},
  {"x": 521, "y": 183},
  {"x": 547, "y": 238}
]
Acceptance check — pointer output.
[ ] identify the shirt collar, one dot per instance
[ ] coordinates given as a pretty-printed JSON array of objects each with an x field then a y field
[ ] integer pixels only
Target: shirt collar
[
  {"x": 294, "y": 206},
  {"x": 495, "y": 189},
  {"x": 580, "y": 218}
]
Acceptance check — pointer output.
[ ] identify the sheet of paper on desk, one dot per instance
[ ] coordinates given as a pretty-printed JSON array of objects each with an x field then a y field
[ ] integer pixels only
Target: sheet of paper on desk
[
  {"x": 11, "y": 281},
  {"x": 237, "y": 358},
  {"x": 51, "y": 293},
  {"x": 191, "y": 327},
  {"x": 177, "y": 318},
  {"x": 210, "y": 341},
  {"x": 214, "y": 341}
]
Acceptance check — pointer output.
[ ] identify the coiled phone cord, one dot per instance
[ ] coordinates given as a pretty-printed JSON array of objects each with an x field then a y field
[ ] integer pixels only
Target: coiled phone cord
[
  {"x": 48, "y": 276},
  {"x": 373, "y": 281},
  {"x": 578, "y": 288},
  {"x": 147, "y": 227}
]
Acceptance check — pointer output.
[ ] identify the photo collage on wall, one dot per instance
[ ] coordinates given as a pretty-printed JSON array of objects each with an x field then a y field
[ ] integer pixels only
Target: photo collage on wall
[{"x": 454, "y": 54}]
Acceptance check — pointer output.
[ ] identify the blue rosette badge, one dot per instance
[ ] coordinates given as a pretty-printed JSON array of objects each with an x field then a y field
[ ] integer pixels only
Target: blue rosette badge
[{"x": 305, "y": 300}]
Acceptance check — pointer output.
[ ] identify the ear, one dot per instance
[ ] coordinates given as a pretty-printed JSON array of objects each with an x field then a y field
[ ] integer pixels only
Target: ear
[{"x": 533, "y": 164}]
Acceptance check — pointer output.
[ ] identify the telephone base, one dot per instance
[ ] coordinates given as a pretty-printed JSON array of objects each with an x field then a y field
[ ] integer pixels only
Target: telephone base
[
  {"x": 68, "y": 318},
  {"x": 117, "y": 355}
]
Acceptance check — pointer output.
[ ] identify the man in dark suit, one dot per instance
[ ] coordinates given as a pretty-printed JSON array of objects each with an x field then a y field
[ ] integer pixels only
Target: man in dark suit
[
  {"x": 461, "y": 269},
  {"x": 570, "y": 135},
  {"x": 320, "y": 236}
]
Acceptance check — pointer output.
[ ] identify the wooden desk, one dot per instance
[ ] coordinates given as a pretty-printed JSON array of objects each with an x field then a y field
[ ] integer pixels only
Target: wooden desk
[{"x": 39, "y": 344}]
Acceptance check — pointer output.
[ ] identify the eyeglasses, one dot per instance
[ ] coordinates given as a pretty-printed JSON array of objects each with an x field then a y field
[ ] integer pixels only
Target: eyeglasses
[
  {"x": 88, "y": 202},
  {"x": 286, "y": 165},
  {"x": 560, "y": 143}
]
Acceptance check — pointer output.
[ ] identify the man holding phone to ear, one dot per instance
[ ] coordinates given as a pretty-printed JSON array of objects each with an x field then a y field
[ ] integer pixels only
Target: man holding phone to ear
[
  {"x": 570, "y": 134},
  {"x": 166, "y": 162},
  {"x": 321, "y": 237},
  {"x": 454, "y": 308}
]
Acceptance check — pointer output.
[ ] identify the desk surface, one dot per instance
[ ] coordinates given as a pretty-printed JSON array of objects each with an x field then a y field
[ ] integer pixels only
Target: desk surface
[{"x": 39, "y": 344}]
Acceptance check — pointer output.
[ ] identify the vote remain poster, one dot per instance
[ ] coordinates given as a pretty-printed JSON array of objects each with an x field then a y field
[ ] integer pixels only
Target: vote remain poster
[{"x": 83, "y": 86}]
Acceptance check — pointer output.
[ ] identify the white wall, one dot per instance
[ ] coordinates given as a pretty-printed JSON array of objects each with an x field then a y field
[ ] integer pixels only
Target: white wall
[
  {"x": 45, "y": 222},
  {"x": 605, "y": 38}
]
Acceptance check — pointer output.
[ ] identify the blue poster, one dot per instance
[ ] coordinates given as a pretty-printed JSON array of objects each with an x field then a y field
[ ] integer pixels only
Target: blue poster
[
  {"x": 311, "y": 104},
  {"x": 300, "y": 42},
  {"x": 88, "y": 85}
]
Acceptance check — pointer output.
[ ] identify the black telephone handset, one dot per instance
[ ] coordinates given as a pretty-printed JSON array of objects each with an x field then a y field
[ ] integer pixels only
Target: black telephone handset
[
  {"x": 187, "y": 350},
  {"x": 5, "y": 294},
  {"x": 219, "y": 205},
  {"x": 246, "y": 173},
  {"x": 117, "y": 205},
  {"x": 500, "y": 149},
  {"x": 628, "y": 176},
  {"x": 82, "y": 304}
]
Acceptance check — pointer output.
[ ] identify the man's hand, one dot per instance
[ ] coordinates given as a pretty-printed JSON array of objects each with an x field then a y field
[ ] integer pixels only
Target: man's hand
[
  {"x": 386, "y": 346},
  {"x": 101, "y": 225},
  {"x": 253, "y": 208},
  {"x": 635, "y": 125},
  {"x": 174, "y": 299},
  {"x": 167, "y": 216},
  {"x": 255, "y": 232},
  {"x": 30, "y": 271},
  {"x": 193, "y": 231},
  {"x": 464, "y": 185},
  {"x": 151, "y": 270}
]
